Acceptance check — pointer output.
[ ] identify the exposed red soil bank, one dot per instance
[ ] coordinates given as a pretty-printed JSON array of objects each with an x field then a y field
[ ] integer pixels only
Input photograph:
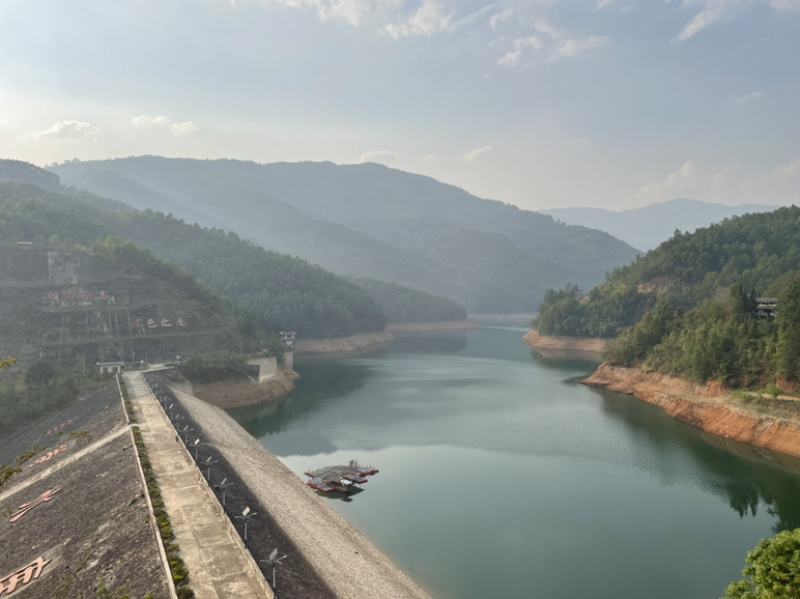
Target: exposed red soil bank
[{"x": 703, "y": 406}]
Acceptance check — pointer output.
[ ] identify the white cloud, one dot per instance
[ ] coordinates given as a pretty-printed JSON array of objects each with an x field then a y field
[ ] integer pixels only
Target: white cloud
[
  {"x": 433, "y": 17},
  {"x": 381, "y": 156},
  {"x": 579, "y": 48},
  {"x": 428, "y": 158},
  {"x": 145, "y": 121},
  {"x": 430, "y": 18},
  {"x": 353, "y": 12},
  {"x": 756, "y": 95},
  {"x": 500, "y": 17},
  {"x": 477, "y": 153},
  {"x": 676, "y": 185},
  {"x": 715, "y": 11},
  {"x": 731, "y": 184},
  {"x": 788, "y": 170},
  {"x": 560, "y": 45},
  {"x": 513, "y": 57},
  {"x": 68, "y": 131}
]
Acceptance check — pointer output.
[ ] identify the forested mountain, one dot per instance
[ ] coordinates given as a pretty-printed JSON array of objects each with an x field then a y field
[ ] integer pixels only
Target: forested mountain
[
  {"x": 402, "y": 304},
  {"x": 369, "y": 220},
  {"x": 646, "y": 228},
  {"x": 278, "y": 291},
  {"x": 761, "y": 252},
  {"x": 696, "y": 296}
]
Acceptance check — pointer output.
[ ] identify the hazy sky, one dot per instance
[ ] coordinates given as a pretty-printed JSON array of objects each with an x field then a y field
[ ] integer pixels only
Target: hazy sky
[{"x": 541, "y": 103}]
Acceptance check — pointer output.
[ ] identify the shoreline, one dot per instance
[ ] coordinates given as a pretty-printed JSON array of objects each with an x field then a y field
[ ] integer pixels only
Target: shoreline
[
  {"x": 447, "y": 325},
  {"x": 240, "y": 394},
  {"x": 709, "y": 407},
  {"x": 583, "y": 344},
  {"x": 342, "y": 344}
]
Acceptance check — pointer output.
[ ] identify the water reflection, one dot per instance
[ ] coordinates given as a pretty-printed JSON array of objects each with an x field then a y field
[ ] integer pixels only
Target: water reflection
[
  {"x": 446, "y": 342},
  {"x": 744, "y": 474}
]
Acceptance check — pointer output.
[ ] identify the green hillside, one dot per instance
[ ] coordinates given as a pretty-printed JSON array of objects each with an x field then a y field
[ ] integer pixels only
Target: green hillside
[
  {"x": 760, "y": 252},
  {"x": 277, "y": 291},
  {"x": 402, "y": 304},
  {"x": 691, "y": 305},
  {"x": 369, "y": 220}
]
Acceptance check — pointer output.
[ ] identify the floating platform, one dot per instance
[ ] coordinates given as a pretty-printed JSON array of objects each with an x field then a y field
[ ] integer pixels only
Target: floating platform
[{"x": 339, "y": 478}]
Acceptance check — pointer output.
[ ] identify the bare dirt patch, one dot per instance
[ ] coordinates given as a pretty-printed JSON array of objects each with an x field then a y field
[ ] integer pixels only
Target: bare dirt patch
[{"x": 236, "y": 394}]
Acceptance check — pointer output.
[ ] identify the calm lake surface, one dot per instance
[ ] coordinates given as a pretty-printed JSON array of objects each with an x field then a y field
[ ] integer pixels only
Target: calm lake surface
[{"x": 503, "y": 477}]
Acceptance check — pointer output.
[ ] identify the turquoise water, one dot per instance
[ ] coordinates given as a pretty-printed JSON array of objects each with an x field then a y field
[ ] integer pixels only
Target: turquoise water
[{"x": 503, "y": 477}]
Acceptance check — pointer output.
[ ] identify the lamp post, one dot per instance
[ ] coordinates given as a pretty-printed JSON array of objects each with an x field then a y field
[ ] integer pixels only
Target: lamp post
[
  {"x": 196, "y": 445},
  {"x": 273, "y": 561},
  {"x": 246, "y": 515},
  {"x": 208, "y": 462},
  {"x": 185, "y": 432},
  {"x": 222, "y": 487}
]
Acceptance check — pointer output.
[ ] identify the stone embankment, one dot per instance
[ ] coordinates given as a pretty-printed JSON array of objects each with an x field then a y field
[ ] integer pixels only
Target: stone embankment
[
  {"x": 708, "y": 407},
  {"x": 348, "y": 563},
  {"x": 584, "y": 344},
  {"x": 344, "y": 344},
  {"x": 75, "y": 519}
]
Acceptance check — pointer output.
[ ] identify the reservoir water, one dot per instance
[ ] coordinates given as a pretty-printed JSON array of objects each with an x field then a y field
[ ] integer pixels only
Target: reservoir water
[{"x": 501, "y": 476}]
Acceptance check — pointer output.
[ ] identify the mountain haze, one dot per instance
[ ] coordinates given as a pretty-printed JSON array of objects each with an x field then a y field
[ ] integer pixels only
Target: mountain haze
[
  {"x": 645, "y": 228},
  {"x": 370, "y": 220}
]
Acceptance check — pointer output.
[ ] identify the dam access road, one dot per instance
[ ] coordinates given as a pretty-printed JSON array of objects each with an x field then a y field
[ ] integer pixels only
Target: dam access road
[{"x": 219, "y": 565}]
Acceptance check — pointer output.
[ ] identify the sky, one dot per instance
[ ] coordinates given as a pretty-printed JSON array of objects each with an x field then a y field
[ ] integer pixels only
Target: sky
[{"x": 540, "y": 103}]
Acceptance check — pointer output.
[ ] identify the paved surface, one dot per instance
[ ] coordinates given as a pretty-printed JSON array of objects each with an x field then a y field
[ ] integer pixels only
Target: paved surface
[{"x": 218, "y": 566}]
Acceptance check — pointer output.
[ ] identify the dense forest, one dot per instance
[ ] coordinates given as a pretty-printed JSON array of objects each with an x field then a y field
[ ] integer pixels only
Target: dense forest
[
  {"x": 278, "y": 291},
  {"x": 403, "y": 304},
  {"x": 688, "y": 308},
  {"x": 719, "y": 340},
  {"x": 756, "y": 251}
]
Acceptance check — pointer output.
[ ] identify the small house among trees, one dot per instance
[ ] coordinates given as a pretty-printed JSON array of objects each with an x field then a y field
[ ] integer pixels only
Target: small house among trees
[{"x": 766, "y": 308}]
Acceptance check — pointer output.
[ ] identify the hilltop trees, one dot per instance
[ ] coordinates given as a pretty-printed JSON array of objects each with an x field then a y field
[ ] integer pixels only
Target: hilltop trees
[
  {"x": 759, "y": 252},
  {"x": 773, "y": 570},
  {"x": 720, "y": 340},
  {"x": 789, "y": 336}
]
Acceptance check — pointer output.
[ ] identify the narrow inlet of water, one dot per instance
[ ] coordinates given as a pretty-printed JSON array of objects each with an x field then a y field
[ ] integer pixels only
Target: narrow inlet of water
[{"x": 501, "y": 476}]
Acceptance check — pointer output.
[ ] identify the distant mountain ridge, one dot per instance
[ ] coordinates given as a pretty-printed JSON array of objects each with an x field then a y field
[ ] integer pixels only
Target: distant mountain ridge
[
  {"x": 369, "y": 220},
  {"x": 646, "y": 228}
]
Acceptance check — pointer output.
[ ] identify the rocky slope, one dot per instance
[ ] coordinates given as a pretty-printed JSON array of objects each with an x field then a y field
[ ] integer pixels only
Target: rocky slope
[{"x": 708, "y": 406}]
